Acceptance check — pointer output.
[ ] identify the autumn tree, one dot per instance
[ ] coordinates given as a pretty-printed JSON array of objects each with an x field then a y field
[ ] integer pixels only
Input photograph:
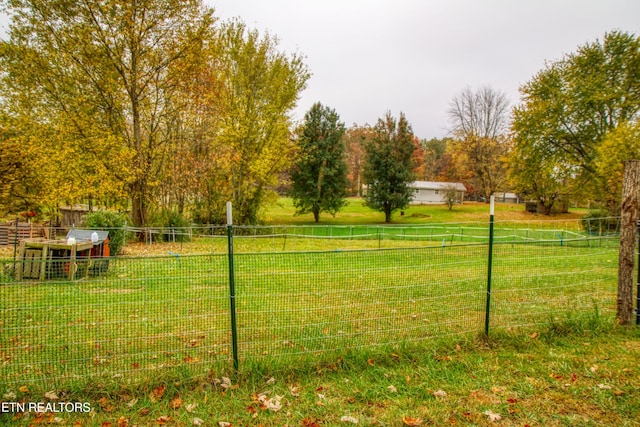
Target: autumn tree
[
  {"x": 101, "y": 77},
  {"x": 388, "y": 169},
  {"x": 355, "y": 140},
  {"x": 617, "y": 146},
  {"x": 261, "y": 87},
  {"x": 566, "y": 112},
  {"x": 480, "y": 122},
  {"x": 319, "y": 176},
  {"x": 17, "y": 177},
  {"x": 437, "y": 160}
]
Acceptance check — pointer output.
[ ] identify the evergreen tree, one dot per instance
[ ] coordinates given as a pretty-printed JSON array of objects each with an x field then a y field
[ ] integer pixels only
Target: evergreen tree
[
  {"x": 319, "y": 177},
  {"x": 388, "y": 167}
]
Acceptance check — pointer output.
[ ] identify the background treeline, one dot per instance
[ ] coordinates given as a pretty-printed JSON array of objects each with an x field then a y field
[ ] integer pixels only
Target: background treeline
[{"x": 159, "y": 109}]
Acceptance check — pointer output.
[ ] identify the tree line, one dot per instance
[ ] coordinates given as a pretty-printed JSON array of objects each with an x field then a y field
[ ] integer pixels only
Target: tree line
[{"x": 160, "y": 109}]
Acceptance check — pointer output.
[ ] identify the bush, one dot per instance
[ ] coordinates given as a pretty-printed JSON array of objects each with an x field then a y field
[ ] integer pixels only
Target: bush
[
  {"x": 174, "y": 226},
  {"x": 114, "y": 223},
  {"x": 600, "y": 222}
]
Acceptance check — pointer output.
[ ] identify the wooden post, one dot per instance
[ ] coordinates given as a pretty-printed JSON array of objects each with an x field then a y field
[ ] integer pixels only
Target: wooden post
[{"x": 628, "y": 231}]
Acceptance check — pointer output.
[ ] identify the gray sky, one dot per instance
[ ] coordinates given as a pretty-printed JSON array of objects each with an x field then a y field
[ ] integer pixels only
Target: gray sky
[{"x": 372, "y": 56}]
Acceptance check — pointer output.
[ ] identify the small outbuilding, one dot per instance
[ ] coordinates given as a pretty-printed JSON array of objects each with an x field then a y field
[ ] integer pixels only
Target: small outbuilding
[
  {"x": 83, "y": 253},
  {"x": 506, "y": 197},
  {"x": 430, "y": 192}
]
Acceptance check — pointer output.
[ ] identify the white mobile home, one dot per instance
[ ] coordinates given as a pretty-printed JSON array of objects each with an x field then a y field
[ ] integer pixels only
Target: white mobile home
[{"x": 428, "y": 192}]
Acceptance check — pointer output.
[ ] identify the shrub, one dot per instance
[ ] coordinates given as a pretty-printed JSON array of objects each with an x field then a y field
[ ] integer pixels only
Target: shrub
[
  {"x": 114, "y": 223},
  {"x": 600, "y": 222},
  {"x": 174, "y": 226}
]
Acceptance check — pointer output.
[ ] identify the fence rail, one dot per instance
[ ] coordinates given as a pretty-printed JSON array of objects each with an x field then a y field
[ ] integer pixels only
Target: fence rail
[{"x": 169, "y": 314}]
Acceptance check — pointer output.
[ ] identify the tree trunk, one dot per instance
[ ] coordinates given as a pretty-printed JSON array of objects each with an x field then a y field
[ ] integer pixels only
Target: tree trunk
[{"x": 628, "y": 228}]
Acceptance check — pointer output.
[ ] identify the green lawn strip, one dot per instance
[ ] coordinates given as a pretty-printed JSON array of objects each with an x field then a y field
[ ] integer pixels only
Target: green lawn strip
[{"x": 557, "y": 375}]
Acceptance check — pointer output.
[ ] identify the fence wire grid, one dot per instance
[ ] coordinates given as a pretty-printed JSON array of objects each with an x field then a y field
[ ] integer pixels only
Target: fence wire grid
[{"x": 169, "y": 312}]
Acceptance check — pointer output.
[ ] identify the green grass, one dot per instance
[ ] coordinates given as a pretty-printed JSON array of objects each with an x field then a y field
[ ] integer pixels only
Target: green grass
[
  {"x": 550, "y": 377},
  {"x": 369, "y": 334},
  {"x": 152, "y": 313},
  {"x": 355, "y": 213}
]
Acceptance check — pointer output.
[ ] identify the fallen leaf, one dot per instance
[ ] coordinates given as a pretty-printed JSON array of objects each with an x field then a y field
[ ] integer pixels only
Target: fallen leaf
[
  {"x": 197, "y": 422},
  {"x": 157, "y": 393},
  {"x": 271, "y": 380},
  {"x": 349, "y": 419},
  {"x": 176, "y": 402},
  {"x": 392, "y": 389},
  {"x": 190, "y": 407},
  {"x": 24, "y": 389},
  {"x": 106, "y": 424},
  {"x": 533, "y": 335},
  {"x": 594, "y": 368},
  {"x": 294, "y": 390},
  {"x": 493, "y": 417},
  {"x": 9, "y": 396},
  {"x": 51, "y": 395},
  {"x": 163, "y": 419},
  {"x": 371, "y": 362},
  {"x": 604, "y": 387},
  {"x": 440, "y": 393},
  {"x": 310, "y": 422},
  {"x": 122, "y": 422},
  {"x": 272, "y": 404},
  {"x": 225, "y": 383},
  {"x": 224, "y": 424},
  {"x": 412, "y": 422}
]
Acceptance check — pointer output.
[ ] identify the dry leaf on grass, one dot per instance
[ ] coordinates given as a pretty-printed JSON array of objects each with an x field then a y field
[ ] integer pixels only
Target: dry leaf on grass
[
  {"x": 493, "y": 417},
  {"x": 349, "y": 419},
  {"x": 412, "y": 422},
  {"x": 176, "y": 402},
  {"x": 440, "y": 393},
  {"x": 272, "y": 404},
  {"x": 51, "y": 395}
]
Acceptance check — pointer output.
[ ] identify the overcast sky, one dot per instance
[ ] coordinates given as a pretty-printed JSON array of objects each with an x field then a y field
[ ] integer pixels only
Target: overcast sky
[{"x": 368, "y": 57}]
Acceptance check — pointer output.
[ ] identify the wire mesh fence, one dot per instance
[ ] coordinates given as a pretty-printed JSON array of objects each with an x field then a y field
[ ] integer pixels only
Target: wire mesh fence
[{"x": 300, "y": 293}]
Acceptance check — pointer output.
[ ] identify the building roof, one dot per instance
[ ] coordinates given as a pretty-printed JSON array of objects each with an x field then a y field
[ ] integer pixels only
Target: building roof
[{"x": 432, "y": 185}]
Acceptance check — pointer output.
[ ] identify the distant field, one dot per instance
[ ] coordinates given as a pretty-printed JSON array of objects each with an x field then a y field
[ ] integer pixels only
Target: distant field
[{"x": 282, "y": 213}]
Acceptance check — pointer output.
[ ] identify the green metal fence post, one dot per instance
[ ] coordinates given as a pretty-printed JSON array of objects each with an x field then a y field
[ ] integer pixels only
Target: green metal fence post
[
  {"x": 232, "y": 288},
  {"x": 489, "y": 268}
]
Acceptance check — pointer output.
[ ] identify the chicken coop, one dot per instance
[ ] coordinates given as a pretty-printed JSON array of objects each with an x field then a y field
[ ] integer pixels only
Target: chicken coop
[{"x": 82, "y": 254}]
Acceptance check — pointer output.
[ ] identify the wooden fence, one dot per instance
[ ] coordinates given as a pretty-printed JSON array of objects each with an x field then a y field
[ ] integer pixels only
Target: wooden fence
[{"x": 10, "y": 233}]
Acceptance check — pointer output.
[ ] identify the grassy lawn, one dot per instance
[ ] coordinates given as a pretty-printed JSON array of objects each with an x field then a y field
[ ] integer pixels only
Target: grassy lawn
[
  {"x": 571, "y": 375},
  {"x": 355, "y": 213},
  {"x": 330, "y": 336}
]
